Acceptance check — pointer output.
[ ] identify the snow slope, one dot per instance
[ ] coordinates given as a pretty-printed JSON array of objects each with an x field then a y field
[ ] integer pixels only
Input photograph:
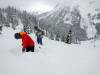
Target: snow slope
[{"x": 54, "y": 58}]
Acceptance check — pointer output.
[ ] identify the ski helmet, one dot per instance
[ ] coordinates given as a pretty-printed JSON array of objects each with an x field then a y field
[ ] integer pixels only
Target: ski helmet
[{"x": 17, "y": 35}]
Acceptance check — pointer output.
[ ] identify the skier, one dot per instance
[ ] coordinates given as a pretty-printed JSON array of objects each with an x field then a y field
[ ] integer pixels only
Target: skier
[
  {"x": 27, "y": 43},
  {"x": 39, "y": 37},
  {"x": 39, "y": 34}
]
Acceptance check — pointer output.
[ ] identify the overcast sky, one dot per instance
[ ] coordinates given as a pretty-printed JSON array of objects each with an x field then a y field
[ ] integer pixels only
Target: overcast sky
[
  {"x": 29, "y": 5},
  {"x": 42, "y": 5}
]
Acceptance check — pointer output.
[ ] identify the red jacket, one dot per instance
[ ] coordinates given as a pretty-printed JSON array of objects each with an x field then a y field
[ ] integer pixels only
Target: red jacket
[{"x": 27, "y": 41}]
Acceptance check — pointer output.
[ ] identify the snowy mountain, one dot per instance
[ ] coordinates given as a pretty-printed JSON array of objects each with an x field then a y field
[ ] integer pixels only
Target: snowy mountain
[
  {"x": 57, "y": 23},
  {"x": 71, "y": 16},
  {"x": 54, "y": 58},
  {"x": 62, "y": 19}
]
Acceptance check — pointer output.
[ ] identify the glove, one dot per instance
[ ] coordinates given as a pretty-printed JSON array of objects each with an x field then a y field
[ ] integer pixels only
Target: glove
[{"x": 23, "y": 49}]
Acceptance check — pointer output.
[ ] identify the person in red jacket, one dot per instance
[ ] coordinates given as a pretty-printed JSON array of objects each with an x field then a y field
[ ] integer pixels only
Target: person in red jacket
[{"x": 27, "y": 42}]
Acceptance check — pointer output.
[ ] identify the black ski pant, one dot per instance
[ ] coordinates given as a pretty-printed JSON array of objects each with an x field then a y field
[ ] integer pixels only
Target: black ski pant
[{"x": 30, "y": 49}]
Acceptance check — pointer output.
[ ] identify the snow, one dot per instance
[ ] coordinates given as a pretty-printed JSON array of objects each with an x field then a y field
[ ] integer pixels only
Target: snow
[
  {"x": 91, "y": 31},
  {"x": 97, "y": 21},
  {"x": 53, "y": 58},
  {"x": 68, "y": 21},
  {"x": 89, "y": 27},
  {"x": 20, "y": 26}
]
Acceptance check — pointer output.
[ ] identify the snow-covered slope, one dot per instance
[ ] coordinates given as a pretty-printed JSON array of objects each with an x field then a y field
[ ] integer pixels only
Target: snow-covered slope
[{"x": 54, "y": 58}]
